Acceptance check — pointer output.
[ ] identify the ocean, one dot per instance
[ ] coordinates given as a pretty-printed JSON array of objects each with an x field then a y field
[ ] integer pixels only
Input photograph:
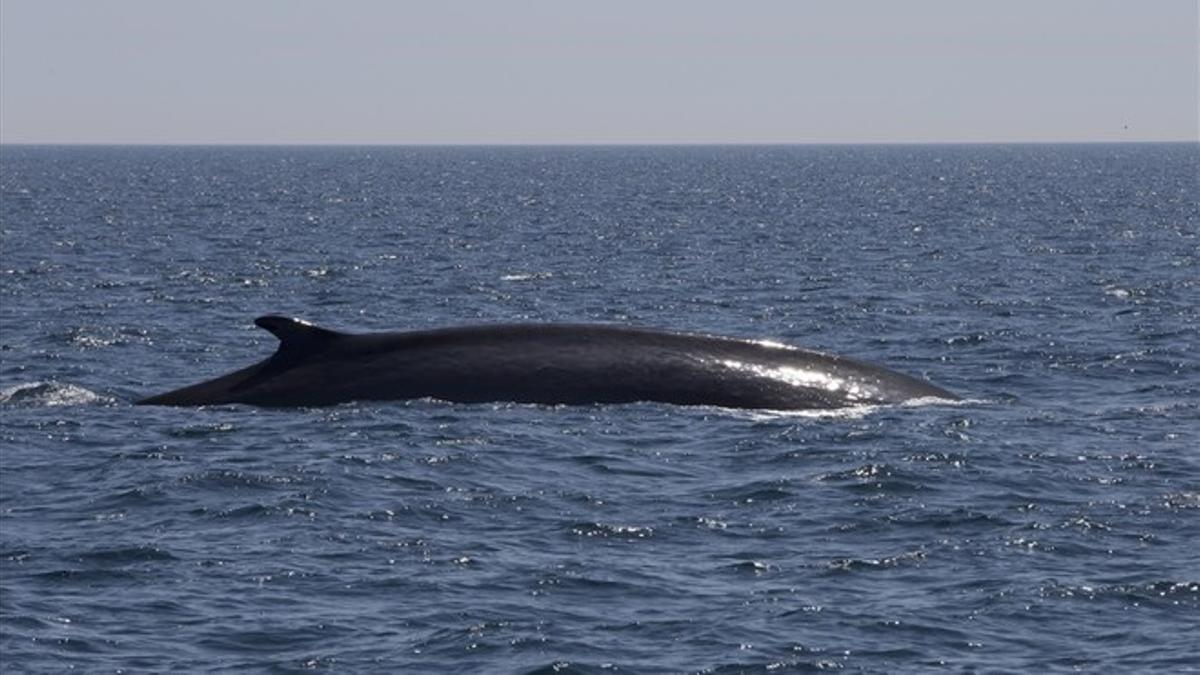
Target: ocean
[{"x": 1049, "y": 522}]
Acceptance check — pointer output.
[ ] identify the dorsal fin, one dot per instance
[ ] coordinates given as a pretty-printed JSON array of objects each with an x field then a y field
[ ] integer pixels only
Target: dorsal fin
[
  {"x": 297, "y": 337},
  {"x": 298, "y": 340}
]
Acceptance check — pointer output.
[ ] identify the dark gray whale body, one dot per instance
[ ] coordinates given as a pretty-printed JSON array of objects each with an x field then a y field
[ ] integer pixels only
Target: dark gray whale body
[{"x": 553, "y": 364}]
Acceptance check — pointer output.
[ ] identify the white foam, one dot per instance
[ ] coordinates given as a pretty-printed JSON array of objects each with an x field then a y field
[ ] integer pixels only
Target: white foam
[
  {"x": 850, "y": 412},
  {"x": 49, "y": 394},
  {"x": 934, "y": 400},
  {"x": 527, "y": 276}
]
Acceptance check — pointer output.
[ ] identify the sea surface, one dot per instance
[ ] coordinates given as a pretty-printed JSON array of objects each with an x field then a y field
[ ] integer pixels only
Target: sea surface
[{"x": 1050, "y": 522}]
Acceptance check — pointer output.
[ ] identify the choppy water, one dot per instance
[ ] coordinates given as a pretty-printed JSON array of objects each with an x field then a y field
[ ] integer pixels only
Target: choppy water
[{"x": 1049, "y": 523}]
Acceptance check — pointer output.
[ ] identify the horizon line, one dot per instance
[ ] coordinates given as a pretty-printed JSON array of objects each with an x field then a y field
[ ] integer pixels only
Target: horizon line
[{"x": 577, "y": 144}]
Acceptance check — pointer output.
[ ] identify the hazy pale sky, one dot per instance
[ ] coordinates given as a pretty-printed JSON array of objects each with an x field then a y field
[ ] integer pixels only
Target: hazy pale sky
[{"x": 617, "y": 71}]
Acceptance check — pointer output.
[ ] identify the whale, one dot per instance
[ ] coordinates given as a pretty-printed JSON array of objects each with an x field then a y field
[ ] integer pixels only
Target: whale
[{"x": 555, "y": 364}]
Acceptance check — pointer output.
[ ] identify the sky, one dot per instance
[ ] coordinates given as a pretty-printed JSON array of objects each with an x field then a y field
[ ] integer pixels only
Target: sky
[{"x": 618, "y": 71}]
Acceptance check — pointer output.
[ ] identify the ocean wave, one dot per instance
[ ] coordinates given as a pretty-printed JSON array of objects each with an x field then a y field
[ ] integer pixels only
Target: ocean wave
[
  {"x": 47, "y": 394},
  {"x": 612, "y": 530},
  {"x": 1169, "y": 591},
  {"x": 526, "y": 276}
]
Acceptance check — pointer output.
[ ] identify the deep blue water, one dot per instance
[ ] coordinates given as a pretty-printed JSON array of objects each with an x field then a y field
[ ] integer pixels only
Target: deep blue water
[{"x": 1048, "y": 523}]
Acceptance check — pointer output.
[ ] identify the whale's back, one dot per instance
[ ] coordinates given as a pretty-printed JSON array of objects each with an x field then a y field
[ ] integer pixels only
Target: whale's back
[{"x": 553, "y": 364}]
